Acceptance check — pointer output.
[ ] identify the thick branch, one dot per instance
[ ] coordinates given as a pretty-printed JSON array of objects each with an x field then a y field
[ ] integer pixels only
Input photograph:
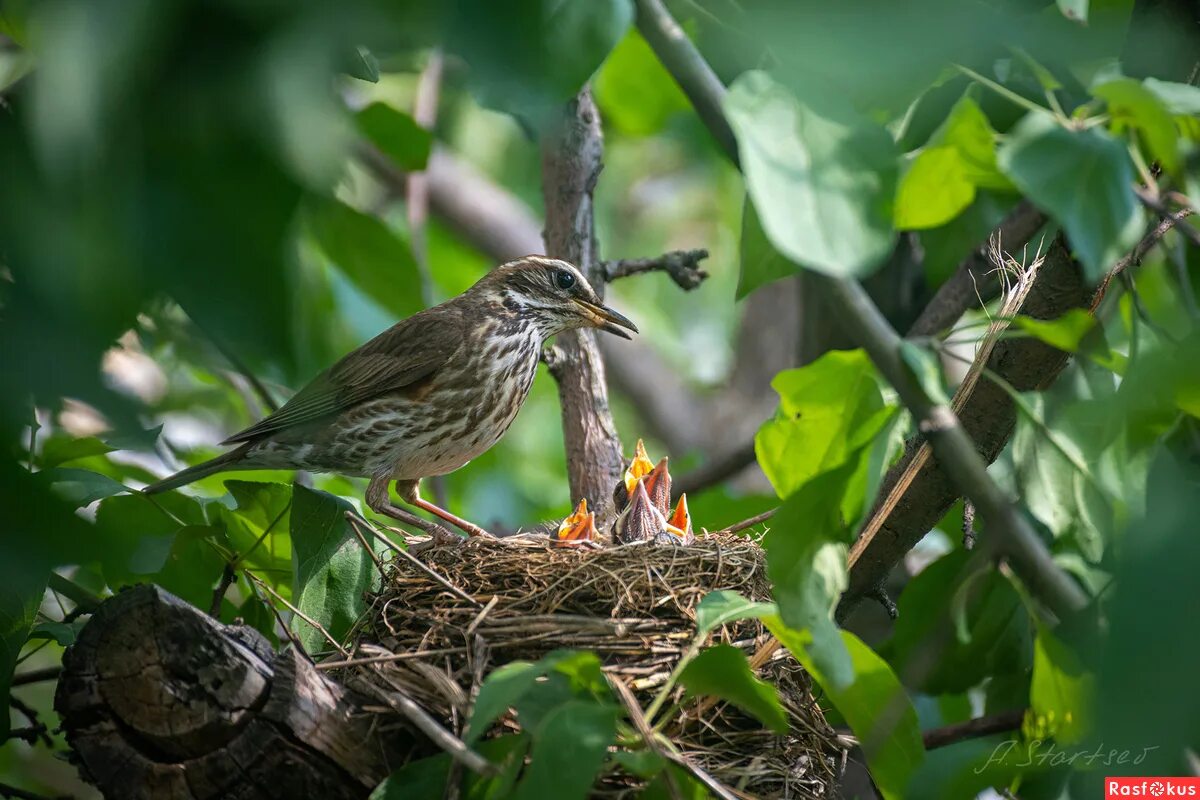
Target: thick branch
[
  {"x": 571, "y": 163},
  {"x": 862, "y": 320}
]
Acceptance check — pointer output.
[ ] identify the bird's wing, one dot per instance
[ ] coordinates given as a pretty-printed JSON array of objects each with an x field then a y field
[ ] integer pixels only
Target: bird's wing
[{"x": 405, "y": 354}]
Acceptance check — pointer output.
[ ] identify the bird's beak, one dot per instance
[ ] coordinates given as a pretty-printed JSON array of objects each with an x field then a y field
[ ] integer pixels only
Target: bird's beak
[{"x": 605, "y": 318}]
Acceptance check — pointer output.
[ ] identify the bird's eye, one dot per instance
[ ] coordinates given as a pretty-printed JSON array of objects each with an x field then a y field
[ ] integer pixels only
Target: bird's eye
[{"x": 564, "y": 279}]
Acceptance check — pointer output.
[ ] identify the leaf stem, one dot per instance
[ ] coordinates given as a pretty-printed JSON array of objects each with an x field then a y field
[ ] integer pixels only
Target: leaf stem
[{"x": 1003, "y": 91}]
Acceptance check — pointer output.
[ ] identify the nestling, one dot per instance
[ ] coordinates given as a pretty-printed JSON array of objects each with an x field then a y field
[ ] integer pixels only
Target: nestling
[{"x": 428, "y": 394}]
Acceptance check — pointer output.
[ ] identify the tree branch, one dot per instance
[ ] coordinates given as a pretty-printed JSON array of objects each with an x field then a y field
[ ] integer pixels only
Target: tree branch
[
  {"x": 715, "y": 470},
  {"x": 571, "y": 164},
  {"x": 681, "y": 265},
  {"x": 862, "y": 320},
  {"x": 973, "y": 729}
]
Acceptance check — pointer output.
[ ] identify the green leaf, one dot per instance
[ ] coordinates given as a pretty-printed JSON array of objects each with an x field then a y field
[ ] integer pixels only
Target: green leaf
[
  {"x": 826, "y": 409},
  {"x": 875, "y": 706},
  {"x": 61, "y": 450},
  {"x": 671, "y": 779},
  {"x": 724, "y": 672},
  {"x": 994, "y": 628},
  {"x": 81, "y": 487},
  {"x": 425, "y": 778},
  {"x": 1074, "y": 10},
  {"x": 1061, "y": 693},
  {"x": 139, "y": 537},
  {"x": 934, "y": 190},
  {"x": 397, "y": 135},
  {"x": 361, "y": 63},
  {"x": 569, "y": 747},
  {"x": 724, "y": 606},
  {"x": 21, "y": 593},
  {"x": 814, "y": 174},
  {"x": 1084, "y": 180},
  {"x": 1133, "y": 105},
  {"x": 968, "y": 131},
  {"x": 193, "y": 565},
  {"x": 262, "y": 513},
  {"x": 761, "y": 263},
  {"x": 643, "y": 763},
  {"x": 635, "y": 93},
  {"x": 1179, "y": 98},
  {"x": 1066, "y": 333},
  {"x": 579, "y": 36},
  {"x": 64, "y": 633},
  {"x": 500, "y": 691},
  {"x": 368, "y": 252},
  {"x": 806, "y": 562},
  {"x": 927, "y": 369},
  {"x": 332, "y": 571}
]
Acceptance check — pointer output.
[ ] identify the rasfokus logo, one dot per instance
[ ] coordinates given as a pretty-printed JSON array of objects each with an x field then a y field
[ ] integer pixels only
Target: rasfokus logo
[{"x": 1151, "y": 787}]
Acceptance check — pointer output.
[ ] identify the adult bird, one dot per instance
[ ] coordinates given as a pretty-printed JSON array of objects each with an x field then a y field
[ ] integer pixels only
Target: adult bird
[{"x": 428, "y": 394}]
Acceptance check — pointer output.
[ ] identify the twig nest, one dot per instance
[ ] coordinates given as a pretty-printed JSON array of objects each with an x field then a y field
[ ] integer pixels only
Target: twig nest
[{"x": 458, "y": 612}]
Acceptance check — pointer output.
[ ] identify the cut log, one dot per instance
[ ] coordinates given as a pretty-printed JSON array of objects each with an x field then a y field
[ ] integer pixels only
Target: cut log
[{"x": 159, "y": 700}]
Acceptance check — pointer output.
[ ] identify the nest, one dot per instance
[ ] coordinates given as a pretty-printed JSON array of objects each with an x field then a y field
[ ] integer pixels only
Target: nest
[{"x": 441, "y": 623}]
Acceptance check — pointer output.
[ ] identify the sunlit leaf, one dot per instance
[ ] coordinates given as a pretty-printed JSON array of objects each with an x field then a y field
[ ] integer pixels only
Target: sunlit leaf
[
  {"x": 635, "y": 93},
  {"x": 875, "y": 706},
  {"x": 814, "y": 174},
  {"x": 1061, "y": 694},
  {"x": 1075, "y": 10},
  {"x": 933, "y": 190},
  {"x": 1066, "y": 333},
  {"x": 926, "y": 368},
  {"x": 724, "y": 672},
  {"x": 969, "y": 133},
  {"x": 62, "y": 450},
  {"x": 396, "y": 134},
  {"x": 333, "y": 572},
  {"x": 1179, "y": 98},
  {"x": 1133, "y": 105},
  {"x": 1083, "y": 179},
  {"x": 259, "y": 528},
  {"x": 826, "y": 409}
]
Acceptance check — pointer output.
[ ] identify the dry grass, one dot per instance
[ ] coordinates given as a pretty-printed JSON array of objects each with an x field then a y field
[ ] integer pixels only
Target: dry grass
[{"x": 435, "y": 632}]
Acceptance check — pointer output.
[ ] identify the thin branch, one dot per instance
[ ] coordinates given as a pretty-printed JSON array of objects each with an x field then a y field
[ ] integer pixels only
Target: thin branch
[
  {"x": 973, "y": 729},
  {"x": 715, "y": 471},
  {"x": 1159, "y": 207},
  {"x": 78, "y": 595},
  {"x": 681, "y": 265},
  {"x": 312, "y": 622},
  {"x": 422, "y": 721},
  {"x": 416, "y": 562},
  {"x": 228, "y": 576},
  {"x": 748, "y": 523},
  {"x": 35, "y": 722},
  {"x": 36, "y": 676},
  {"x": 1153, "y": 237},
  {"x": 868, "y": 327}
]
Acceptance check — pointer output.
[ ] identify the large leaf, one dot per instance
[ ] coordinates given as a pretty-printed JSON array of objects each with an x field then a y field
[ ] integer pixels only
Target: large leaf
[
  {"x": 425, "y": 778},
  {"x": 332, "y": 570},
  {"x": 569, "y": 747},
  {"x": 370, "y": 254},
  {"x": 724, "y": 672},
  {"x": 875, "y": 706},
  {"x": 396, "y": 134},
  {"x": 822, "y": 178},
  {"x": 1179, "y": 98},
  {"x": 1132, "y": 105},
  {"x": 934, "y": 190},
  {"x": 635, "y": 92},
  {"x": 1083, "y": 179},
  {"x": 81, "y": 487},
  {"x": 806, "y": 562},
  {"x": 968, "y": 131},
  {"x": 259, "y": 527},
  {"x": 573, "y": 675},
  {"x": 761, "y": 263},
  {"x": 139, "y": 535},
  {"x": 827, "y": 409}
]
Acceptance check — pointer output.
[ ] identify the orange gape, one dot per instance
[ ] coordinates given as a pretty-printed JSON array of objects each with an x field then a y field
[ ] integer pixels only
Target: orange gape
[{"x": 580, "y": 526}]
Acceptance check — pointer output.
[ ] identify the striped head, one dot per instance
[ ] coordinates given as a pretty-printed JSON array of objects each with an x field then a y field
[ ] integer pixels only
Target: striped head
[{"x": 551, "y": 295}]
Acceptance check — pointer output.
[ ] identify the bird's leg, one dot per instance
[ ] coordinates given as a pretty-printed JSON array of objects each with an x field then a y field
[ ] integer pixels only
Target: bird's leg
[
  {"x": 409, "y": 493},
  {"x": 379, "y": 502}
]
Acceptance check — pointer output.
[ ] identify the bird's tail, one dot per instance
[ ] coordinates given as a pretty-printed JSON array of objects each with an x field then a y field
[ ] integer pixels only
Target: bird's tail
[{"x": 191, "y": 474}]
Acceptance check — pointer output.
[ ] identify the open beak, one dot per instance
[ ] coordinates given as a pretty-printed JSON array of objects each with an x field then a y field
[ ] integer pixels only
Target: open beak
[{"x": 606, "y": 319}]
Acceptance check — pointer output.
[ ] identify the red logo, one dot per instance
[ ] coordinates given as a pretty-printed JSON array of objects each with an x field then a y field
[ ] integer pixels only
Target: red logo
[{"x": 1151, "y": 787}]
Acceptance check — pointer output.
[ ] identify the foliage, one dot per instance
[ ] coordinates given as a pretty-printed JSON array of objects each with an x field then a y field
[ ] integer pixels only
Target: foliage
[{"x": 185, "y": 204}]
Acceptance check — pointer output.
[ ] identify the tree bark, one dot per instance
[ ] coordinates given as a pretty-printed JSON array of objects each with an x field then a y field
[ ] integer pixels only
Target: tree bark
[
  {"x": 159, "y": 700},
  {"x": 571, "y": 164}
]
